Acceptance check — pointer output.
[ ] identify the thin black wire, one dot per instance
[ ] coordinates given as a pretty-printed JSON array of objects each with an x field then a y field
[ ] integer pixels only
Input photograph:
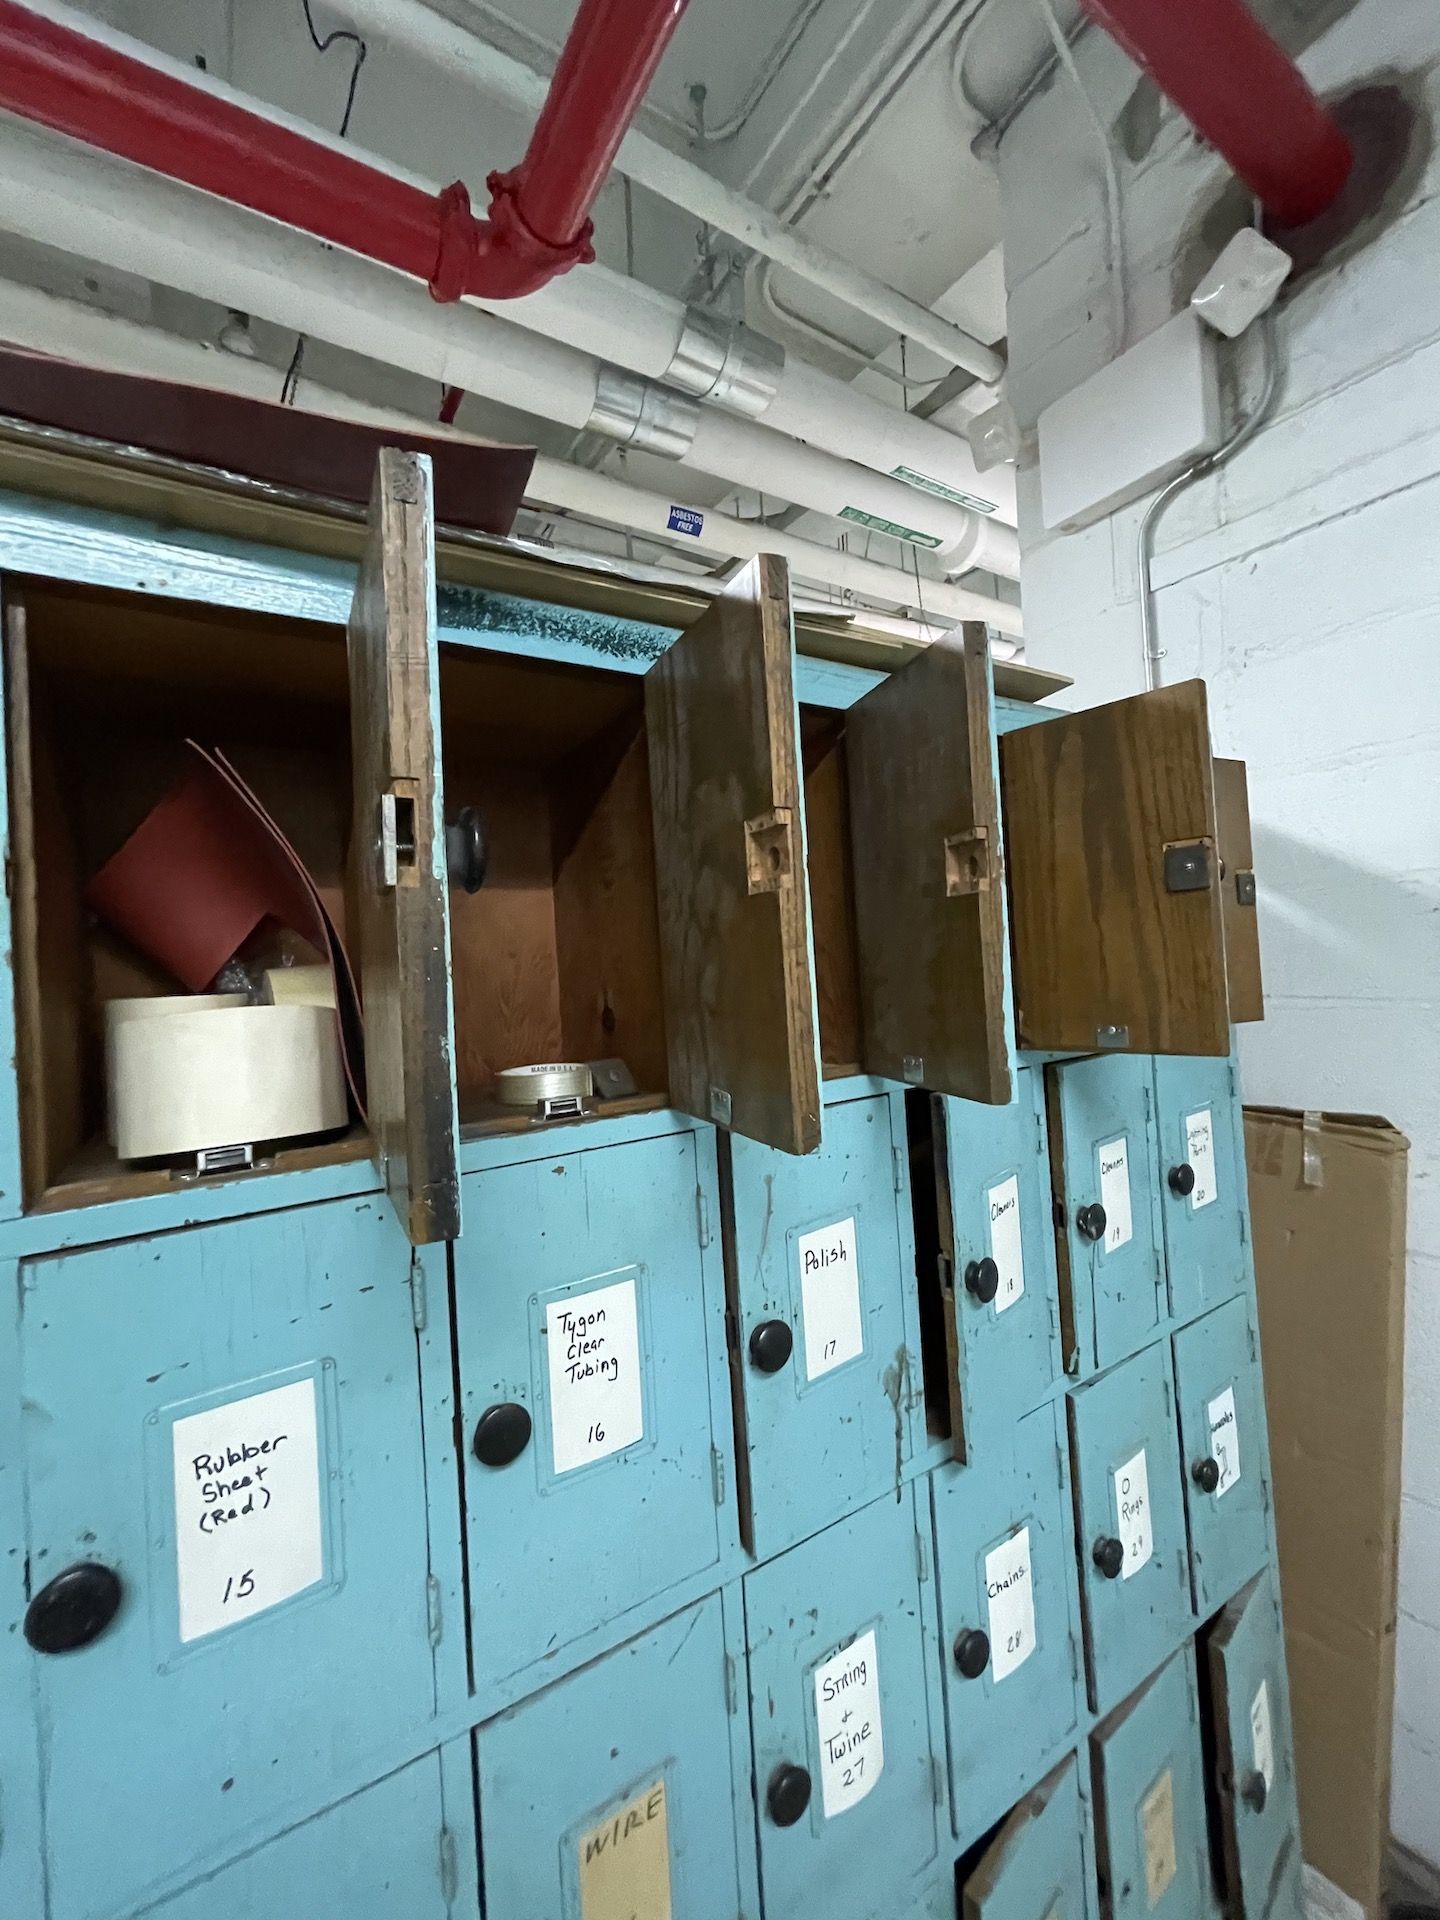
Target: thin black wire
[{"x": 291, "y": 383}]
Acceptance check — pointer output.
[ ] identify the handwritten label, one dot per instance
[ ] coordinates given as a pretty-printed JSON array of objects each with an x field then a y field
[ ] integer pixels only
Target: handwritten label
[
  {"x": 593, "y": 1354},
  {"x": 1224, "y": 1440},
  {"x": 1262, "y": 1736},
  {"x": 847, "y": 1718},
  {"x": 1005, "y": 1251},
  {"x": 247, "y": 1507},
  {"x": 1157, "y": 1838},
  {"x": 1200, "y": 1152},
  {"x": 830, "y": 1297},
  {"x": 1011, "y": 1593},
  {"x": 625, "y": 1862},
  {"x": 1132, "y": 1512},
  {"x": 1115, "y": 1194}
]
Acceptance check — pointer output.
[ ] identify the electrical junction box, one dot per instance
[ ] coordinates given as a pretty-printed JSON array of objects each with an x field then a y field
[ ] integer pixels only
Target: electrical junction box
[{"x": 1130, "y": 427}]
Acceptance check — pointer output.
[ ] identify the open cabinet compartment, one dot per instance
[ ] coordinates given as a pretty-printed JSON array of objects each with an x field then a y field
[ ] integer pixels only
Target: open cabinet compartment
[
  {"x": 557, "y": 956},
  {"x": 832, "y": 890},
  {"x": 103, "y": 690}
]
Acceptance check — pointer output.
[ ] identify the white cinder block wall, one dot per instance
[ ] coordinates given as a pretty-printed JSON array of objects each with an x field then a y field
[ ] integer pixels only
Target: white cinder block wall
[{"x": 1304, "y": 585}]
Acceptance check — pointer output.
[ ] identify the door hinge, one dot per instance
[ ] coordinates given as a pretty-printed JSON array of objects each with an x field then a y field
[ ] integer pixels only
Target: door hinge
[
  {"x": 702, "y": 1216},
  {"x": 1060, "y": 1466},
  {"x": 897, "y": 1168},
  {"x": 1074, "y": 1659},
  {"x": 432, "y": 1609},
  {"x": 1244, "y": 1223},
  {"x": 922, "y": 1558},
  {"x": 717, "y": 1475},
  {"x": 732, "y": 1692},
  {"x": 937, "y": 1780},
  {"x": 449, "y": 1866},
  {"x": 419, "y": 1307}
]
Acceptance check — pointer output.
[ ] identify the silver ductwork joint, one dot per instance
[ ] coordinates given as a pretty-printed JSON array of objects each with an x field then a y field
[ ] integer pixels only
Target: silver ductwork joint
[
  {"x": 642, "y": 414},
  {"x": 726, "y": 363}
]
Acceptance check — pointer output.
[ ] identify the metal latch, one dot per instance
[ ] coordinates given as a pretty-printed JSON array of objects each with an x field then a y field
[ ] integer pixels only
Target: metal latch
[
  {"x": 1187, "y": 866},
  {"x": 768, "y": 861},
  {"x": 967, "y": 863},
  {"x": 397, "y": 836},
  {"x": 1245, "y": 887}
]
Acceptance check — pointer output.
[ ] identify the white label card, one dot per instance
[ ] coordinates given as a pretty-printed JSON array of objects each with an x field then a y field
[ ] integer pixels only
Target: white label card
[
  {"x": 1132, "y": 1513},
  {"x": 593, "y": 1354},
  {"x": 1224, "y": 1440},
  {"x": 1115, "y": 1194},
  {"x": 1005, "y": 1249},
  {"x": 247, "y": 1507},
  {"x": 847, "y": 1719},
  {"x": 1011, "y": 1592},
  {"x": 1200, "y": 1153},
  {"x": 830, "y": 1297},
  {"x": 1262, "y": 1737}
]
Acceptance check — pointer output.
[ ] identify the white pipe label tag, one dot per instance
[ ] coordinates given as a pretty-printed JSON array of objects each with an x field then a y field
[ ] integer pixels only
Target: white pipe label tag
[
  {"x": 1115, "y": 1194},
  {"x": 247, "y": 1507},
  {"x": 847, "y": 1720},
  {"x": 1224, "y": 1440},
  {"x": 1005, "y": 1248},
  {"x": 593, "y": 1357},
  {"x": 1132, "y": 1512},
  {"x": 1200, "y": 1152},
  {"x": 1011, "y": 1592},
  {"x": 830, "y": 1297},
  {"x": 1262, "y": 1737}
]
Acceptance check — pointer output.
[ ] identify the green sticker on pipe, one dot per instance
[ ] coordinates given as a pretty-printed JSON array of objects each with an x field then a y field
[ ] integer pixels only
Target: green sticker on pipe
[
  {"x": 941, "y": 490},
  {"x": 878, "y": 525}
]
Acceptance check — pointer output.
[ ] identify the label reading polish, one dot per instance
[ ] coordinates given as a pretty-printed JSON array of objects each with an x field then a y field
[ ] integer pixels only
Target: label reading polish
[{"x": 830, "y": 1297}]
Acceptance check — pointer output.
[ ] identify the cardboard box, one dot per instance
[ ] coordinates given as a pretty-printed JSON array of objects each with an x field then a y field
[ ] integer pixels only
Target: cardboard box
[{"x": 1327, "y": 1200}]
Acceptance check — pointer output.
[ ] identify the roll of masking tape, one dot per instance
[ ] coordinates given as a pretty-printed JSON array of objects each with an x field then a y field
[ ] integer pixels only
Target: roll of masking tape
[
  {"x": 299, "y": 986},
  {"x": 553, "y": 1080},
  {"x": 155, "y": 1006},
  {"x": 223, "y": 1076}
]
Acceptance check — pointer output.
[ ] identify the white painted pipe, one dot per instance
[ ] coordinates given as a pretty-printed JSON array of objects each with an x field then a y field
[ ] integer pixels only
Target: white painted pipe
[
  {"x": 48, "y": 323},
  {"x": 621, "y": 320},
  {"x": 86, "y": 202},
  {"x": 472, "y": 61}
]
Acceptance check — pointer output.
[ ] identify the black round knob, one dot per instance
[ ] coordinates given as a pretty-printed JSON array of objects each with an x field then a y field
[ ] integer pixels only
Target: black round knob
[
  {"x": 1206, "y": 1474},
  {"x": 1091, "y": 1220},
  {"x": 788, "y": 1794},
  {"x": 502, "y": 1433},
  {"x": 972, "y": 1652},
  {"x": 1254, "y": 1792},
  {"x": 771, "y": 1345},
  {"x": 1181, "y": 1179},
  {"x": 74, "y": 1608},
  {"x": 466, "y": 853},
  {"x": 1109, "y": 1556},
  {"x": 982, "y": 1278}
]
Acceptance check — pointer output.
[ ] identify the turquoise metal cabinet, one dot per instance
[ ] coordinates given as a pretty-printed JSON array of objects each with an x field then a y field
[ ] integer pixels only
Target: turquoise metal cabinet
[
  {"x": 1001, "y": 1263},
  {"x": 841, "y": 1653},
  {"x": 1103, "y": 1168},
  {"x": 1134, "y": 1571},
  {"x": 1009, "y": 1627},
  {"x": 589, "y": 1312},
  {"x": 1150, "y": 1795},
  {"x": 404, "y": 1849},
  {"x": 821, "y": 1273},
  {"x": 1226, "y": 1455},
  {"x": 624, "y": 1789},
  {"x": 1250, "y": 1699},
  {"x": 1202, "y": 1195},
  {"x": 221, "y": 1433},
  {"x": 1040, "y": 1865}
]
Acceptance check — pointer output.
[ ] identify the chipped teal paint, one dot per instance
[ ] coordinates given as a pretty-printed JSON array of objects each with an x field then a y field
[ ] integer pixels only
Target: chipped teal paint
[{"x": 537, "y": 624}]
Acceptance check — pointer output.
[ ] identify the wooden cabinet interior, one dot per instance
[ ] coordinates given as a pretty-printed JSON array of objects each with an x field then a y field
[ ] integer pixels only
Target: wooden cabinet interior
[
  {"x": 103, "y": 690},
  {"x": 832, "y": 889},
  {"x": 1237, "y": 875}
]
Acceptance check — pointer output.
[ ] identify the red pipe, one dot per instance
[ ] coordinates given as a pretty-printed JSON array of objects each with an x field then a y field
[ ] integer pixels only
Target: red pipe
[
  {"x": 538, "y": 225},
  {"x": 1241, "y": 92}
]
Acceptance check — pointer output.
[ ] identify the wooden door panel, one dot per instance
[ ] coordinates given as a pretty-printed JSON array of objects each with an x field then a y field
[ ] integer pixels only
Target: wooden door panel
[
  {"x": 929, "y": 892},
  {"x": 399, "y": 854},
  {"x": 730, "y": 866},
  {"x": 1115, "y": 886},
  {"x": 1237, "y": 859}
]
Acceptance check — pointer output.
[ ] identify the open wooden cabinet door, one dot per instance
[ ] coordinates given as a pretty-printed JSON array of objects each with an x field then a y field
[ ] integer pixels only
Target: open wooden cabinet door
[
  {"x": 1237, "y": 862},
  {"x": 738, "y": 971},
  {"x": 1113, "y": 853},
  {"x": 929, "y": 889},
  {"x": 399, "y": 855}
]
